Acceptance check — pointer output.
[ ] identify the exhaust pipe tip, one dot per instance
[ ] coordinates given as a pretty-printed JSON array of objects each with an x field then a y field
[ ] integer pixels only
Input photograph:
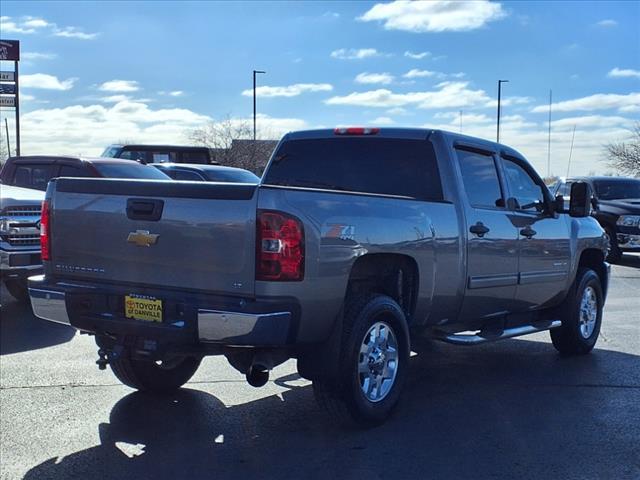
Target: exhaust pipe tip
[{"x": 257, "y": 376}]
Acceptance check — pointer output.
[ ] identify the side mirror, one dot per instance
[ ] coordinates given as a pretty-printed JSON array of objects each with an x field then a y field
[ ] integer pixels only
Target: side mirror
[{"x": 580, "y": 204}]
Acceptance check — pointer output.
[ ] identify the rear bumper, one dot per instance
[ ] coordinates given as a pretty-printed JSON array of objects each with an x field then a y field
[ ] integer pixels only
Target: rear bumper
[
  {"x": 20, "y": 263},
  {"x": 196, "y": 318}
]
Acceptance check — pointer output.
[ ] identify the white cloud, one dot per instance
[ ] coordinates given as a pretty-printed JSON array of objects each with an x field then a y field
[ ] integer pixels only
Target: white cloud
[
  {"x": 435, "y": 15},
  {"x": 35, "y": 23},
  {"x": 115, "y": 98},
  {"x": 176, "y": 93},
  {"x": 448, "y": 95},
  {"x": 417, "y": 55},
  {"x": 37, "y": 56},
  {"x": 599, "y": 101},
  {"x": 29, "y": 25},
  {"x": 74, "y": 32},
  {"x": 369, "y": 78},
  {"x": 415, "y": 73},
  {"x": 623, "y": 72},
  {"x": 590, "y": 121},
  {"x": 46, "y": 82},
  {"x": 289, "y": 90},
  {"x": 26, "y": 97},
  {"x": 607, "y": 23},
  {"x": 397, "y": 111},
  {"x": 355, "y": 53},
  {"x": 382, "y": 121},
  {"x": 119, "y": 86}
]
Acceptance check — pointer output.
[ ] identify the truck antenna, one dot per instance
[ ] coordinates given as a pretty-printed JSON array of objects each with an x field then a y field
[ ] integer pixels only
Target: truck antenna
[{"x": 571, "y": 150}]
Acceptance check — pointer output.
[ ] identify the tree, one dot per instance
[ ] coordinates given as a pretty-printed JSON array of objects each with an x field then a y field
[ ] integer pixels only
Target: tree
[
  {"x": 4, "y": 152},
  {"x": 624, "y": 157},
  {"x": 231, "y": 142}
]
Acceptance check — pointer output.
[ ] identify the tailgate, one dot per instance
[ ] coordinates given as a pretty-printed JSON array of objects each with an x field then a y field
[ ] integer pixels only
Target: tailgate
[{"x": 187, "y": 235}]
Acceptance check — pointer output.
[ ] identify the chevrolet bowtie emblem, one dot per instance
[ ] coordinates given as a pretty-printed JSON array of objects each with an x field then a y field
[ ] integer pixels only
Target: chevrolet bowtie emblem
[{"x": 142, "y": 238}]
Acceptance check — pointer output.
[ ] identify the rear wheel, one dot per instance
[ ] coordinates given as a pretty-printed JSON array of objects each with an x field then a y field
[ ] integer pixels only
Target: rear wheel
[
  {"x": 150, "y": 376},
  {"x": 581, "y": 315},
  {"x": 18, "y": 289},
  {"x": 373, "y": 364}
]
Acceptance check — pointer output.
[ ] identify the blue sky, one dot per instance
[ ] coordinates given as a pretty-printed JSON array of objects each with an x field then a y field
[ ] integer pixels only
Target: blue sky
[{"x": 96, "y": 73}]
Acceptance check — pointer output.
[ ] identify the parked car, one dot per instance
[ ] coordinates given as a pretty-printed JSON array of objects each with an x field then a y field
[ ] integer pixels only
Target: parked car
[
  {"x": 19, "y": 238},
  {"x": 617, "y": 209},
  {"x": 161, "y": 153},
  {"x": 355, "y": 241},
  {"x": 36, "y": 171},
  {"x": 206, "y": 173}
]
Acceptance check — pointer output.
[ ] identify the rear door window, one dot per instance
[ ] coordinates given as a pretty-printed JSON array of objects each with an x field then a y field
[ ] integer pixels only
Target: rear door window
[
  {"x": 480, "y": 179},
  {"x": 33, "y": 176},
  {"x": 385, "y": 166},
  {"x": 197, "y": 156}
]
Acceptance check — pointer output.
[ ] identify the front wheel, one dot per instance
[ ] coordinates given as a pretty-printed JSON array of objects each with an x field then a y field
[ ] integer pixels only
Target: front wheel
[
  {"x": 150, "y": 376},
  {"x": 581, "y": 315},
  {"x": 373, "y": 364}
]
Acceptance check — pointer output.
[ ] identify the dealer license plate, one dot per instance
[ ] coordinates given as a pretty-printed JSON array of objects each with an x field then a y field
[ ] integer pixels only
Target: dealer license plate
[{"x": 140, "y": 307}]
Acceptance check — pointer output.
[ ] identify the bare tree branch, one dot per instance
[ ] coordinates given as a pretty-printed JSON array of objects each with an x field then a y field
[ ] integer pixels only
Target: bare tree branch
[{"x": 624, "y": 157}]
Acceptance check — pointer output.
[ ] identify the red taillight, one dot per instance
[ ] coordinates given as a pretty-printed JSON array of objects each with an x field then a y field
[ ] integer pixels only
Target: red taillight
[
  {"x": 279, "y": 247},
  {"x": 356, "y": 131},
  {"x": 45, "y": 232}
]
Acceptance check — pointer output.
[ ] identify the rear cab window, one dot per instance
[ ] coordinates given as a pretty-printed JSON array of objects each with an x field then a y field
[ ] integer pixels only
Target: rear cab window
[
  {"x": 383, "y": 166},
  {"x": 34, "y": 176}
]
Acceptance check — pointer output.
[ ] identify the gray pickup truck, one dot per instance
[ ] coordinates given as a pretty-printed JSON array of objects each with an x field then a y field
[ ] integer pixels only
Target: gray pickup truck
[
  {"x": 356, "y": 242},
  {"x": 19, "y": 238}
]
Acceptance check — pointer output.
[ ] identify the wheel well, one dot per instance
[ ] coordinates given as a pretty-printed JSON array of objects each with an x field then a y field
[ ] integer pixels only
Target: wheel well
[
  {"x": 387, "y": 273},
  {"x": 594, "y": 259}
]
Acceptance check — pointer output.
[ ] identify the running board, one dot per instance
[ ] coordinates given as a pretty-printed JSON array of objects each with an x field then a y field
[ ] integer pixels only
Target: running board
[{"x": 488, "y": 336}]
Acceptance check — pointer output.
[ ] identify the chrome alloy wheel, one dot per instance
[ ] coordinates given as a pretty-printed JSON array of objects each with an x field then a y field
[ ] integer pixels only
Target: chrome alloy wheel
[
  {"x": 588, "y": 312},
  {"x": 378, "y": 362}
]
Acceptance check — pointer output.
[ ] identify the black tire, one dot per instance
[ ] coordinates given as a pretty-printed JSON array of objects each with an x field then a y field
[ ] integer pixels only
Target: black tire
[
  {"x": 18, "y": 289},
  {"x": 614, "y": 254},
  {"x": 573, "y": 337},
  {"x": 148, "y": 376},
  {"x": 343, "y": 397}
]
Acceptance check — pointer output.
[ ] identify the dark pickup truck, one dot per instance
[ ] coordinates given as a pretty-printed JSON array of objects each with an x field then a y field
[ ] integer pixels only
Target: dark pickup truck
[
  {"x": 617, "y": 209},
  {"x": 356, "y": 242}
]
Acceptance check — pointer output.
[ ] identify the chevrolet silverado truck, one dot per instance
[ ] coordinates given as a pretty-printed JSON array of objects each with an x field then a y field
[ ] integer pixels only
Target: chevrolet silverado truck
[
  {"x": 19, "y": 238},
  {"x": 355, "y": 242}
]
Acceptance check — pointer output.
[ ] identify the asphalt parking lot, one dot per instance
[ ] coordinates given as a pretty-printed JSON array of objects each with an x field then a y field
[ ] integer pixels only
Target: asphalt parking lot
[{"x": 512, "y": 409}]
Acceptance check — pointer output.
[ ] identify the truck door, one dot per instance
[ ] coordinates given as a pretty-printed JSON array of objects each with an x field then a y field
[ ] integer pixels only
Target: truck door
[
  {"x": 492, "y": 256},
  {"x": 543, "y": 238}
]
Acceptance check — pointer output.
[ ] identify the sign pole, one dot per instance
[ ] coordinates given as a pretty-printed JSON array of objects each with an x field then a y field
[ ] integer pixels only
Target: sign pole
[{"x": 17, "y": 110}]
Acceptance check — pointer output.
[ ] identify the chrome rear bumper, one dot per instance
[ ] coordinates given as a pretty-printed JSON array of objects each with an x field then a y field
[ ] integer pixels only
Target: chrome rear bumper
[{"x": 49, "y": 305}]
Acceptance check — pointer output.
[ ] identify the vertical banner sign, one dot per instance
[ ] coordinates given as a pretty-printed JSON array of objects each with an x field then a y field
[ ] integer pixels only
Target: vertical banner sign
[{"x": 9, "y": 92}]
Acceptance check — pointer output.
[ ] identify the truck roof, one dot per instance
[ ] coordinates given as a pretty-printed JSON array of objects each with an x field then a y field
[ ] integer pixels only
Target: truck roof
[
  {"x": 56, "y": 158},
  {"x": 409, "y": 134}
]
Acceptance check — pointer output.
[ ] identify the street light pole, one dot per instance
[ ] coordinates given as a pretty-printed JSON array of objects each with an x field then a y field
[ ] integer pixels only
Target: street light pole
[
  {"x": 254, "y": 102},
  {"x": 500, "y": 82}
]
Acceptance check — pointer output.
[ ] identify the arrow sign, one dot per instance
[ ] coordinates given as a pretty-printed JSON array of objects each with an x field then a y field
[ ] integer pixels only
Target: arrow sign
[
  {"x": 7, "y": 88},
  {"x": 7, "y": 101},
  {"x": 7, "y": 77}
]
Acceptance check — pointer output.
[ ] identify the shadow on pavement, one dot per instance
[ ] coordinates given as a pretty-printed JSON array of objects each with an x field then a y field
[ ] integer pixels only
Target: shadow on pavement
[
  {"x": 20, "y": 330},
  {"x": 513, "y": 411}
]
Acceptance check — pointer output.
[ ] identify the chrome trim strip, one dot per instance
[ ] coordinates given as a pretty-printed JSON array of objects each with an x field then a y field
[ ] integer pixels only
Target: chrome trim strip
[
  {"x": 538, "y": 277},
  {"x": 217, "y": 325},
  {"x": 49, "y": 305},
  {"x": 493, "y": 281}
]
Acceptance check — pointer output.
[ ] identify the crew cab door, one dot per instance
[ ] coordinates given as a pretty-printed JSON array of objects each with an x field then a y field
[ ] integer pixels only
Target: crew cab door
[
  {"x": 543, "y": 238},
  {"x": 492, "y": 240}
]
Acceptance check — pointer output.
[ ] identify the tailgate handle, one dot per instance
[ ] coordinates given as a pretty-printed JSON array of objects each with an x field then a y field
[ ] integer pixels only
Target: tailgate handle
[{"x": 144, "y": 209}]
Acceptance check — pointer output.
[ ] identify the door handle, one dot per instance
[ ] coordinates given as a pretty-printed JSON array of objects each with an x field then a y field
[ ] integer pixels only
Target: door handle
[
  {"x": 479, "y": 229},
  {"x": 528, "y": 231}
]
